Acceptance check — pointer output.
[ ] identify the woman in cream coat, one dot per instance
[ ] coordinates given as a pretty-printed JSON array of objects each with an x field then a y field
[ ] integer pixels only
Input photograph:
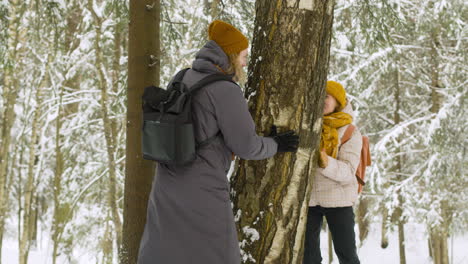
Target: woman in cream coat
[{"x": 335, "y": 187}]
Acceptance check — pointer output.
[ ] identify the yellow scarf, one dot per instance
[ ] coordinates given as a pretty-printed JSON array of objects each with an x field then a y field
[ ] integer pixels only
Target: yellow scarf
[{"x": 329, "y": 139}]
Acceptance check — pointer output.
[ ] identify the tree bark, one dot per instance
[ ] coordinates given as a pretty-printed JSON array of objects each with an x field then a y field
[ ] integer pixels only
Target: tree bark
[
  {"x": 362, "y": 218},
  {"x": 439, "y": 233},
  {"x": 59, "y": 209},
  {"x": 215, "y": 10},
  {"x": 28, "y": 206},
  {"x": 398, "y": 167},
  {"x": 108, "y": 131},
  {"x": 143, "y": 70},
  {"x": 16, "y": 35},
  {"x": 288, "y": 70},
  {"x": 71, "y": 42}
]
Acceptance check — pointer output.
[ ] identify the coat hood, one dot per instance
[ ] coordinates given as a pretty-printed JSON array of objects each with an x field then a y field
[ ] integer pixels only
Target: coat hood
[{"x": 209, "y": 56}]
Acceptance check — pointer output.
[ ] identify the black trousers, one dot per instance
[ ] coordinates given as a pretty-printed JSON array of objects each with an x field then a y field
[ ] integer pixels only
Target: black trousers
[{"x": 341, "y": 224}]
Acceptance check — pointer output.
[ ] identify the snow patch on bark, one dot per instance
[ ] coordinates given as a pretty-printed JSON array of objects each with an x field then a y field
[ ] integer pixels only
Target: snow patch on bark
[
  {"x": 291, "y": 3},
  {"x": 285, "y": 116},
  {"x": 330, "y": 6},
  {"x": 303, "y": 4},
  {"x": 317, "y": 125},
  {"x": 307, "y": 4},
  {"x": 252, "y": 235}
]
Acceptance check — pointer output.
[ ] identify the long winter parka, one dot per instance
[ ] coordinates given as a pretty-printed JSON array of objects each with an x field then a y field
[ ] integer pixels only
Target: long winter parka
[{"x": 189, "y": 216}]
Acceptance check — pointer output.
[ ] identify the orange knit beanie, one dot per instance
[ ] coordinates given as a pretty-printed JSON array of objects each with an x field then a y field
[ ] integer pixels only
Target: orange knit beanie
[
  {"x": 336, "y": 90},
  {"x": 229, "y": 38}
]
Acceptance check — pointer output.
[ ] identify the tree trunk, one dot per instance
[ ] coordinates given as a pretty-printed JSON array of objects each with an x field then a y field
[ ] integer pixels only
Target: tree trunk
[
  {"x": 362, "y": 218},
  {"x": 215, "y": 10},
  {"x": 28, "y": 206},
  {"x": 108, "y": 131},
  {"x": 384, "y": 234},
  {"x": 10, "y": 94},
  {"x": 288, "y": 70},
  {"x": 143, "y": 70},
  {"x": 439, "y": 233},
  {"x": 438, "y": 245},
  {"x": 398, "y": 168},
  {"x": 401, "y": 241},
  {"x": 71, "y": 42},
  {"x": 59, "y": 210}
]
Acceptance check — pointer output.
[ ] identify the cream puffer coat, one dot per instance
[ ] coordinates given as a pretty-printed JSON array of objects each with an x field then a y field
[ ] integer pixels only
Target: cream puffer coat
[{"x": 336, "y": 185}]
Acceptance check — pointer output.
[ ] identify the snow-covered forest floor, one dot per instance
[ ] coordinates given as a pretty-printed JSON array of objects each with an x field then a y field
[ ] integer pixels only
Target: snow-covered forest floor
[{"x": 370, "y": 252}]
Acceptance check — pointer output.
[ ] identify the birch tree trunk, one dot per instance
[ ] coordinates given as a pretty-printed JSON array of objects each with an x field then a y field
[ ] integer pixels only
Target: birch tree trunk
[
  {"x": 288, "y": 70},
  {"x": 108, "y": 131},
  {"x": 143, "y": 70}
]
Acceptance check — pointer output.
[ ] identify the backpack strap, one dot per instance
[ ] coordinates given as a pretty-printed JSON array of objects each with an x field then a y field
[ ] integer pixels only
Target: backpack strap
[
  {"x": 207, "y": 141},
  {"x": 180, "y": 75},
  {"x": 348, "y": 133}
]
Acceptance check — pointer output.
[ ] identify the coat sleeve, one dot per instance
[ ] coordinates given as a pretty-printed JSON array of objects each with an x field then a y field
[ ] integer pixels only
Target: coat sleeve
[
  {"x": 236, "y": 123},
  {"x": 343, "y": 168}
]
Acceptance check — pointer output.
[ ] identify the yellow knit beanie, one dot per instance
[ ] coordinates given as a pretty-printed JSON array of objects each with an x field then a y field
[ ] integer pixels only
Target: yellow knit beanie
[
  {"x": 336, "y": 90},
  {"x": 229, "y": 38}
]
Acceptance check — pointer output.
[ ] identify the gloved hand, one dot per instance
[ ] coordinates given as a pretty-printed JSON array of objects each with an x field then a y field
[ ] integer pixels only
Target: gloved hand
[{"x": 287, "y": 141}]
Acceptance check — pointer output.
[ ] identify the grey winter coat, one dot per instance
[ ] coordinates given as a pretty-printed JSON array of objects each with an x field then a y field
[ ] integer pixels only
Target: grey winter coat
[{"x": 189, "y": 215}]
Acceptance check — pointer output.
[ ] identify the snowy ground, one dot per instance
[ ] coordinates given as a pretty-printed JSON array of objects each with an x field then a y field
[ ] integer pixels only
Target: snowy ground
[
  {"x": 416, "y": 248},
  {"x": 369, "y": 253}
]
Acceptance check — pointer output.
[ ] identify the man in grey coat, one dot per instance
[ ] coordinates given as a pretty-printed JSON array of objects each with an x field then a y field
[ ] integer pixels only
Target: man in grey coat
[{"x": 189, "y": 214}]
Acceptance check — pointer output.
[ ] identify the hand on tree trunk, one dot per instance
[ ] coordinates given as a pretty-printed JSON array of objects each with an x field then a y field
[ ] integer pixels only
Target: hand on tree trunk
[
  {"x": 323, "y": 159},
  {"x": 287, "y": 141}
]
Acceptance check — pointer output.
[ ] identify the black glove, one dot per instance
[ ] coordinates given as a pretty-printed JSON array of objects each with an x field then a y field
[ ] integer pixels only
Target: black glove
[{"x": 287, "y": 141}]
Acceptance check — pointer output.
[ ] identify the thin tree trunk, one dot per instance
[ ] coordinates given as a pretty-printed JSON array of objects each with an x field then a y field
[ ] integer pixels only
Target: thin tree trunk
[
  {"x": 28, "y": 207},
  {"x": 108, "y": 132},
  {"x": 290, "y": 55},
  {"x": 362, "y": 218},
  {"x": 10, "y": 94},
  {"x": 116, "y": 69},
  {"x": 384, "y": 234},
  {"x": 59, "y": 210},
  {"x": 398, "y": 169},
  {"x": 71, "y": 42},
  {"x": 143, "y": 70},
  {"x": 215, "y": 10},
  {"x": 439, "y": 233},
  {"x": 401, "y": 240}
]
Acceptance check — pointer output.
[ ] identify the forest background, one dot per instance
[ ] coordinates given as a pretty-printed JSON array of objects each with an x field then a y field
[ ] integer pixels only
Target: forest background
[{"x": 63, "y": 120}]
